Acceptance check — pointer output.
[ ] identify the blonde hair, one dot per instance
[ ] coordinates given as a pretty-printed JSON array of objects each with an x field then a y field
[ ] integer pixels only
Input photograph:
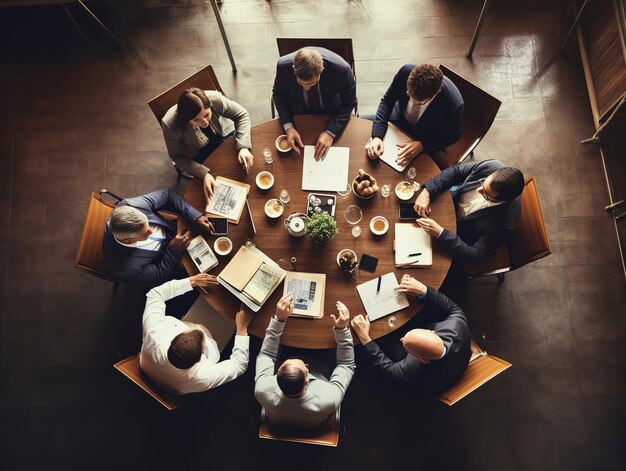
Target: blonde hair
[{"x": 307, "y": 64}]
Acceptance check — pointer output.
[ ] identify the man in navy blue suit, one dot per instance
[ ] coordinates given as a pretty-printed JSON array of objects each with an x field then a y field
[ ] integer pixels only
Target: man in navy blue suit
[
  {"x": 309, "y": 81},
  {"x": 424, "y": 104},
  {"x": 140, "y": 245}
]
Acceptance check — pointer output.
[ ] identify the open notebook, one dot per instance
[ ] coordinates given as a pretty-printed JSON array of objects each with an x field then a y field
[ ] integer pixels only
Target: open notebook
[{"x": 386, "y": 300}]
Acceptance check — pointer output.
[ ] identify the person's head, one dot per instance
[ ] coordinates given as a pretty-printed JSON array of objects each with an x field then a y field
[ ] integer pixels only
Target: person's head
[
  {"x": 129, "y": 225},
  {"x": 193, "y": 107},
  {"x": 186, "y": 349},
  {"x": 424, "y": 83},
  {"x": 307, "y": 66},
  {"x": 424, "y": 344},
  {"x": 292, "y": 377},
  {"x": 505, "y": 184}
]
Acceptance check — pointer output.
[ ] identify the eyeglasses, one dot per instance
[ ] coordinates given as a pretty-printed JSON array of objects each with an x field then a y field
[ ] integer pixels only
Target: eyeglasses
[{"x": 484, "y": 193}]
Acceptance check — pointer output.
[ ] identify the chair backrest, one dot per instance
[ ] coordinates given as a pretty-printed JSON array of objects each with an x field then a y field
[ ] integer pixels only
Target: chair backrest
[
  {"x": 327, "y": 435},
  {"x": 129, "y": 367},
  {"x": 479, "y": 112},
  {"x": 482, "y": 367},
  {"x": 89, "y": 256},
  {"x": 204, "y": 79},
  {"x": 340, "y": 46},
  {"x": 529, "y": 243}
]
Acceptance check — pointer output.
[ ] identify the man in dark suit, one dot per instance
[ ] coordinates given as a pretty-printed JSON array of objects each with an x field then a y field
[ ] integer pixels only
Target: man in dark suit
[
  {"x": 487, "y": 200},
  {"x": 140, "y": 245},
  {"x": 423, "y": 103},
  {"x": 309, "y": 81},
  {"x": 435, "y": 355}
]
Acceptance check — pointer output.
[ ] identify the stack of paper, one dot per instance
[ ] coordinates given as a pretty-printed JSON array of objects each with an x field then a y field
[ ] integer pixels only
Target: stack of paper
[
  {"x": 410, "y": 239},
  {"x": 201, "y": 254},
  {"x": 330, "y": 174},
  {"x": 228, "y": 200}
]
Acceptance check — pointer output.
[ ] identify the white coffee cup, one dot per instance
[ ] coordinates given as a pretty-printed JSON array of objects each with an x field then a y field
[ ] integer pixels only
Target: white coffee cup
[{"x": 223, "y": 245}]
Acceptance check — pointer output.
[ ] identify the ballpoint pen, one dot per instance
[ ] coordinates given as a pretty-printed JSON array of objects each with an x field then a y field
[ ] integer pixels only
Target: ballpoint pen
[
  {"x": 378, "y": 285},
  {"x": 415, "y": 254}
]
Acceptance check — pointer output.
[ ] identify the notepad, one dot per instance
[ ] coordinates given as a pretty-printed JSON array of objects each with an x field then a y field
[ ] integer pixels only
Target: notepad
[
  {"x": 228, "y": 200},
  {"x": 394, "y": 136},
  {"x": 201, "y": 254},
  {"x": 330, "y": 174},
  {"x": 410, "y": 239},
  {"x": 386, "y": 301},
  {"x": 308, "y": 291}
]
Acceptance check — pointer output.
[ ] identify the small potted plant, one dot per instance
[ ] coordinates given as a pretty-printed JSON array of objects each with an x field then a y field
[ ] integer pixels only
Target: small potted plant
[{"x": 321, "y": 227}]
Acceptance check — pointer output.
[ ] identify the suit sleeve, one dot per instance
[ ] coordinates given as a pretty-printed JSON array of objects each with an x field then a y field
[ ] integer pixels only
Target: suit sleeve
[
  {"x": 176, "y": 151},
  {"x": 480, "y": 250},
  {"x": 453, "y": 175},
  {"x": 280, "y": 96},
  {"x": 166, "y": 199},
  {"x": 388, "y": 101},
  {"x": 442, "y": 305},
  {"x": 449, "y": 133},
  {"x": 154, "y": 273},
  {"x": 240, "y": 116},
  {"x": 406, "y": 371},
  {"x": 347, "y": 95}
]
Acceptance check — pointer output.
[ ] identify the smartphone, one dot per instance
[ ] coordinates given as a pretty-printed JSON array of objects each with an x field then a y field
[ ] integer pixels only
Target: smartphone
[
  {"x": 407, "y": 212},
  {"x": 368, "y": 263},
  {"x": 220, "y": 226}
]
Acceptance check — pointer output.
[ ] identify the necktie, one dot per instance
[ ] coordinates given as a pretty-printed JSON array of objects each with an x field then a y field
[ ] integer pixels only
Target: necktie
[
  {"x": 412, "y": 112},
  {"x": 314, "y": 99}
]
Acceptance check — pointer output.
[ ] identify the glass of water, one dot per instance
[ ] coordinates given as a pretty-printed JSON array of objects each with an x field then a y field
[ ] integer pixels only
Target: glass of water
[
  {"x": 267, "y": 155},
  {"x": 385, "y": 190},
  {"x": 411, "y": 173},
  {"x": 284, "y": 196},
  {"x": 392, "y": 321}
]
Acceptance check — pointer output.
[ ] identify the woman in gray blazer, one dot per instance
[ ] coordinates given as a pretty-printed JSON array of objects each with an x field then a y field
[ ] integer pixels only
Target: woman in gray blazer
[{"x": 198, "y": 124}]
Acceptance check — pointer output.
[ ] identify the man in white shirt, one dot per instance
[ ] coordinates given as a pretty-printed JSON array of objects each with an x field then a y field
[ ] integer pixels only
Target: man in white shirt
[
  {"x": 298, "y": 395},
  {"x": 487, "y": 199},
  {"x": 182, "y": 357}
]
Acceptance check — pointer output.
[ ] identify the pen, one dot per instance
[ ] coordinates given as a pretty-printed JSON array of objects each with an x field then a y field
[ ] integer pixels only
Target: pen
[
  {"x": 415, "y": 254},
  {"x": 378, "y": 285}
]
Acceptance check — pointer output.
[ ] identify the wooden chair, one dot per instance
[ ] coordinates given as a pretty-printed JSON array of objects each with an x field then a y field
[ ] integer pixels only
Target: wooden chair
[
  {"x": 482, "y": 367},
  {"x": 480, "y": 110},
  {"x": 327, "y": 435},
  {"x": 204, "y": 79},
  {"x": 340, "y": 46},
  {"x": 89, "y": 256},
  {"x": 529, "y": 243},
  {"x": 129, "y": 367}
]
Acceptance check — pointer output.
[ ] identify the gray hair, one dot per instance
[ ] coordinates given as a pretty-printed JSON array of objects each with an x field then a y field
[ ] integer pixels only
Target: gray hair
[{"x": 126, "y": 222}]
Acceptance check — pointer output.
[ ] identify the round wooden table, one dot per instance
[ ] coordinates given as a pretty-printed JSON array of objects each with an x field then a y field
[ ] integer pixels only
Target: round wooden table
[{"x": 272, "y": 237}]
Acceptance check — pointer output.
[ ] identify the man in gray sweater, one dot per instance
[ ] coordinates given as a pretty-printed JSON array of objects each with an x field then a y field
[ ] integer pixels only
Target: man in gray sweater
[{"x": 299, "y": 395}]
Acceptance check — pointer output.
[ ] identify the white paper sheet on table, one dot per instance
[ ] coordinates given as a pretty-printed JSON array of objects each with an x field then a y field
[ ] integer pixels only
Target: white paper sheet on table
[
  {"x": 386, "y": 301},
  {"x": 394, "y": 136},
  {"x": 330, "y": 174}
]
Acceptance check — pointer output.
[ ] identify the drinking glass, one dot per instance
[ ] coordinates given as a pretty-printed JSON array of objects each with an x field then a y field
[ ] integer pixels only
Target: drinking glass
[
  {"x": 267, "y": 155},
  {"x": 356, "y": 231},
  {"x": 411, "y": 173},
  {"x": 391, "y": 321},
  {"x": 284, "y": 196},
  {"x": 385, "y": 190},
  {"x": 353, "y": 214},
  {"x": 285, "y": 264}
]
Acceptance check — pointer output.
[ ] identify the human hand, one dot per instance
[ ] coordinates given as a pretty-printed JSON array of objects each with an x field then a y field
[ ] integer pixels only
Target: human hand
[
  {"x": 430, "y": 226},
  {"x": 294, "y": 140},
  {"x": 324, "y": 141},
  {"x": 202, "y": 280},
  {"x": 341, "y": 321},
  {"x": 361, "y": 326},
  {"x": 376, "y": 148},
  {"x": 408, "y": 150},
  {"x": 180, "y": 241},
  {"x": 205, "y": 224},
  {"x": 422, "y": 203},
  {"x": 209, "y": 186},
  {"x": 410, "y": 285},
  {"x": 284, "y": 307},
  {"x": 246, "y": 159},
  {"x": 242, "y": 319}
]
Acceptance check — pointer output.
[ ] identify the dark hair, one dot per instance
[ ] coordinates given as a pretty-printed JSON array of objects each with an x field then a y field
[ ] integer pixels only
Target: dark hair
[
  {"x": 190, "y": 103},
  {"x": 424, "y": 81},
  {"x": 290, "y": 379},
  {"x": 507, "y": 183},
  {"x": 186, "y": 349}
]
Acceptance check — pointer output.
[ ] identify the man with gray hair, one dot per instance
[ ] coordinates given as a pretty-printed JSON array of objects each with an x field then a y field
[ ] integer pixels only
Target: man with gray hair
[
  {"x": 314, "y": 80},
  {"x": 141, "y": 246}
]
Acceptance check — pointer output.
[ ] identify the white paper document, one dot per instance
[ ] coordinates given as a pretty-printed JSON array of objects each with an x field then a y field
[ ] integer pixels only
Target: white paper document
[
  {"x": 201, "y": 254},
  {"x": 384, "y": 302},
  {"x": 330, "y": 174},
  {"x": 394, "y": 136},
  {"x": 227, "y": 200},
  {"x": 413, "y": 246}
]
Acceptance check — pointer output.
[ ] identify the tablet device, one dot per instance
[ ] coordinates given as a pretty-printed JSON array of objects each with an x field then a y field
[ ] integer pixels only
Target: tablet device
[
  {"x": 220, "y": 226},
  {"x": 368, "y": 263},
  {"x": 407, "y": 212}
]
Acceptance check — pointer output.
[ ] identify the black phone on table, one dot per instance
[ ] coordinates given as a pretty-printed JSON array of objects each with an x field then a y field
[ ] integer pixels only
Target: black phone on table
[
  {"x": 368, "y": 263},
  {"x": 407, "y": 212},
  {"x": 220, "y": 226}
]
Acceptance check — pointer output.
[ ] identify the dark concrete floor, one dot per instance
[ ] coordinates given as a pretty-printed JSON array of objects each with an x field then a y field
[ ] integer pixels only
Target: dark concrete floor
[{"x": 74, "y": 119}]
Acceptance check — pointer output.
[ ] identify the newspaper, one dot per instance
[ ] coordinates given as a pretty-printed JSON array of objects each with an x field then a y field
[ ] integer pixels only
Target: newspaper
[{"x": 227, "y": 200}]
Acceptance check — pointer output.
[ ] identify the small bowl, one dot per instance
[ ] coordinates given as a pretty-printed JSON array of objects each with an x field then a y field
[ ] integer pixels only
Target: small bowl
[
  {"x": 277, "y": 144},
  {"x": 264, "y": 180},
  {"x": 274, "y": 208},
  {"x": 223, "y": 245},
  {"x": 375, "y": 221},
  {"x": 405, "y": 190},
  {"x": 342, "y": 251},
  {"x": 359, "y": 196}
]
